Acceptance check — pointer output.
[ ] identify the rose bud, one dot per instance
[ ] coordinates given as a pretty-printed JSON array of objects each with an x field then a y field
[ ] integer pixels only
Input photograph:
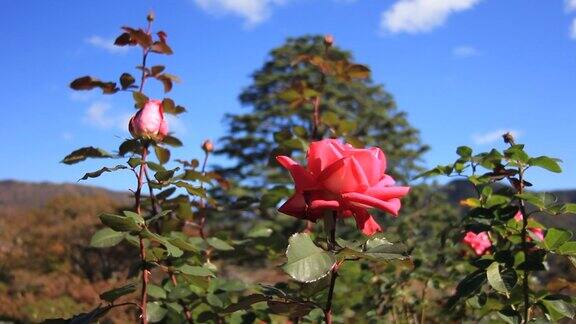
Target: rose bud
[
  {"x": 207, "y": 146},
  {"x": 328, "y": 40},
  {"x": 149, "y": 122},
  {"x": 536, "y": 231}
]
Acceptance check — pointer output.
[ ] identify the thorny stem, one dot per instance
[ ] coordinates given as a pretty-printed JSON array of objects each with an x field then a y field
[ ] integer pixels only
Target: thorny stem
[
  {"x": 138, "y": 207},
  {"x": 525, "y": 285},
  {"x": 155, "y": 211},
  {"x": 333, "y": 272},
  {"x": 202, "y": 206},
  {"x": 145, "y": 52}
]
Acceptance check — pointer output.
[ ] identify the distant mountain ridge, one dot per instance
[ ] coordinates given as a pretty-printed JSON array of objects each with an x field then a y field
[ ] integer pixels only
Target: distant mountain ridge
[{"x": 28, "y": 195}]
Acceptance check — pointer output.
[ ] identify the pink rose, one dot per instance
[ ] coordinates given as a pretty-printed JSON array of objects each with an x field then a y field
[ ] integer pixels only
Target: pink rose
[
  {"x": 149, "y": 122},
  {"x": 341, "y": 178},
  {"x": 538, "y": 232},
  {"x": 480, "y": 242}
]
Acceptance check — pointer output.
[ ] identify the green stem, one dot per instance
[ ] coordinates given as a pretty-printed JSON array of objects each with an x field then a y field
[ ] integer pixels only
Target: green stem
[
  {"x": 525, "y": 283},
  {"x": 333, "y": 272},
  {"x": 138, "y": 196}
]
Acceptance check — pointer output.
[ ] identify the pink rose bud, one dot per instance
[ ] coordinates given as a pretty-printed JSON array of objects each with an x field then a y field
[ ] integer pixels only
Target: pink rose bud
[
  {"x": 328, "y": 40},
  {"x": 536, "y": 231},
  {"x": 344, "y": 179},
  {"x": 207, "y": 146},
  {"x": 149, "y": 122},
  {"x": 480, "y": 242}
]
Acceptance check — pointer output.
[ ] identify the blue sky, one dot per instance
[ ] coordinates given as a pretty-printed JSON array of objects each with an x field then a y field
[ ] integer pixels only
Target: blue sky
[{"x": 464, "y": 70}]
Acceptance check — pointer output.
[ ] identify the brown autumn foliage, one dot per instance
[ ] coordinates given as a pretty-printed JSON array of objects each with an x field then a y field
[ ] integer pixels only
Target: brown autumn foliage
[{"x": 47, "y": 268}]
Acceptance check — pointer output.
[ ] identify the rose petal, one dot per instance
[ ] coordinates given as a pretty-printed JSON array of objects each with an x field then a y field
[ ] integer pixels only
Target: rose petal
[
  {"x": 302, "y": 178},
  {"x": 386, "y": 193},
  {"x": 365, "y": 222},
  {"x": 294, "y": 206},
  {"x": 323, "y": 153},
  {"x": 372, "y": 162},
  {"x": 391, "y": 206},
  {"x": 344, "y": 175}
]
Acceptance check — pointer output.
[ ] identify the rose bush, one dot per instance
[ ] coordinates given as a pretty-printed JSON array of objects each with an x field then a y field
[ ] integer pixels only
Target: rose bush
[{"x": 345, "y": 179}]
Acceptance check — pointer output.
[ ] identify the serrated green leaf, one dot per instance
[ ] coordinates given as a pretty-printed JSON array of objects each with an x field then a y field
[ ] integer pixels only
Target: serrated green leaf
[
  {"x": 106, "y": 237},
  {"x": 494, "y": 278},
  {"x": 111, "y": 295},
  {"x": 163, "y": 154},
  {"x": 194, "y": 270},
  {"x": 556, "y": 237},
  {"x": 85, "y": 153},
  {"x": 559, "y": 308},
  {"x": 98, "y": 173},
  {"x": 156, "y": 291},
  {"x": 219, "y": 244},
  {"x": 547, "y": 163},
  {"x": 120, "y": 223},
  {"x": 306, "y": 261},
  {"x": 568, "y": 248},
  {"x": 155, "y": 312},
  {"x": 259, "y": 232}
]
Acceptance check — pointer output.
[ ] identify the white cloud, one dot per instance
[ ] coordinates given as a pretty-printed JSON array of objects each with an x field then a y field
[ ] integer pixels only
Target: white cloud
[
  {"x": 464, "y": 51},
  {"x": 106, "y": 44},
  {"x": 253, "y": 11},
  {"x": 67, "y": 136},
  {"x": 573, "y": 29},
  {"x": 570, "y": 5},
  {"x": 98, "y": 114},
  {"x": 416, "y": 16},
  {"x": 493, "y": 136}
]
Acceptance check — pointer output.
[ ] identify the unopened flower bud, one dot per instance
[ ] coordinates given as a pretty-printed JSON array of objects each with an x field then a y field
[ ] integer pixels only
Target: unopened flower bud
[
  {"x": 328, "y": 40},
  {"x": 149, "y": 122},
  {"x": 508, "y": 138},
  {"x": 207, "y": 146},
  {"x": 150, "y": 16}
]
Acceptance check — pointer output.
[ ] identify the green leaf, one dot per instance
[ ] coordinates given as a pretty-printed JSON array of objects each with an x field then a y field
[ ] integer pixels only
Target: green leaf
[
  {"x": 98, "y": 173},
  {"x": 214, "y": 300},
  {"x": 469, "y": 285},
  {"x": 259, "y": 232},
  {"x": 120, "y": 223},
  {"x": 568, "y": 248},
  {"x": 111, "y": 295},
  {"x": 559, "y": 308},
  {"x": 306, "y": 261},
  {"x": 172, "y": 141},
  {"x": 194, "y": 271},
  {"x": 183, "y": 245},
  {"x": 106, "y": 237},
  {"x": 556, "y": 237},
  {"x": 126, "y": 80},
  {"x": 84, "y": 153},
  {"x": 569, "y": 208},
  {"x": 162, "y": 154},
  {"x": 130, "y": 145},
  {"x": 156, "y": 291},
  {"x": 290, "y": 309},
  {"x": 219, "y": 244},
  {"x": 155, "y": 312},
  {"x": 547, "y": 163},
  {"x": 464, "y": 151},
  {"x": 245, "y": 303},
  {"x": 494, "y": 278},
  {"x": 140, "y": 99}
]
